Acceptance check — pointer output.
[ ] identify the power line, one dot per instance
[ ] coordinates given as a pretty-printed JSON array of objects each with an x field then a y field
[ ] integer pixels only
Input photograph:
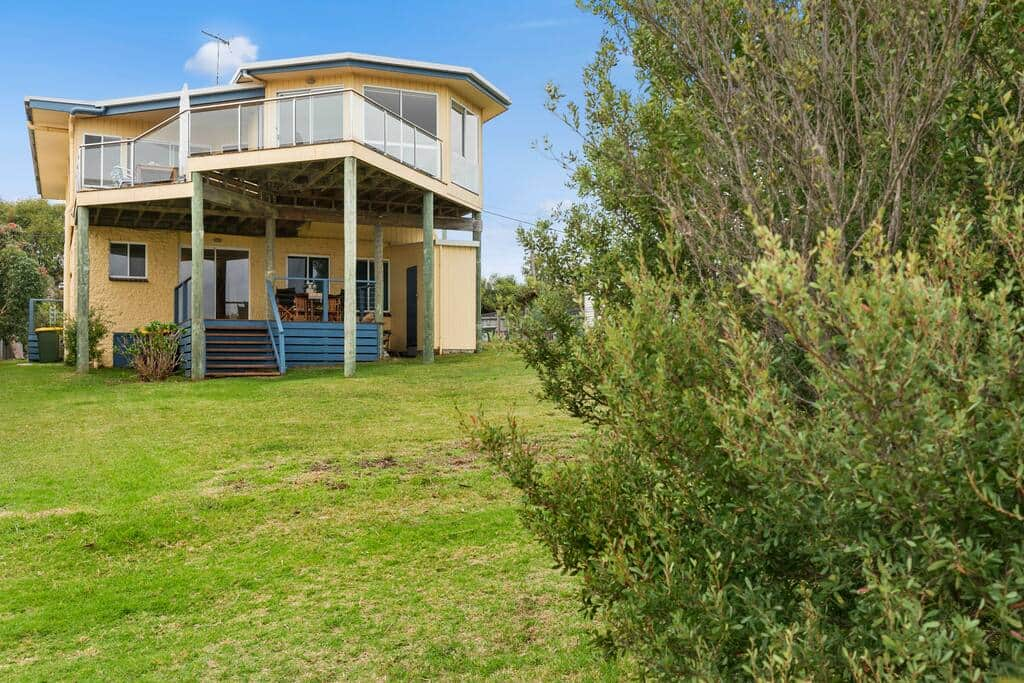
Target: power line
[{"x": 510, "y": 218}]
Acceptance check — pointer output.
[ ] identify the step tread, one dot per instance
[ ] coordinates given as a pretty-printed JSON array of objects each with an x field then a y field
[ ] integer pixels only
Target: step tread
[
  {"x": 243, "y": 374},
  {"x": 236, "y": 364}
]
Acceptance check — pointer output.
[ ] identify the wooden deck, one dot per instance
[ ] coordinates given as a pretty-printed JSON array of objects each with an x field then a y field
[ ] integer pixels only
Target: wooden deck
[{"x": 305, "y": 343}]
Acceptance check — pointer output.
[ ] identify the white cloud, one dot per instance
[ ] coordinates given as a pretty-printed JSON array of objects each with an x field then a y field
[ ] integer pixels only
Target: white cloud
[{"x": 204, "y": 61}]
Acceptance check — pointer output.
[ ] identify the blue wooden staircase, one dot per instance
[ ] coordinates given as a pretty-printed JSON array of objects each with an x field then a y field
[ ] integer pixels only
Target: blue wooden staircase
[{"x": 239, "y": 348}]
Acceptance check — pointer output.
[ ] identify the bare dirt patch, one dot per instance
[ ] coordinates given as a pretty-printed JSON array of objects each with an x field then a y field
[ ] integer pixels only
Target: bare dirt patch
[{"x": 381, "y": 463}]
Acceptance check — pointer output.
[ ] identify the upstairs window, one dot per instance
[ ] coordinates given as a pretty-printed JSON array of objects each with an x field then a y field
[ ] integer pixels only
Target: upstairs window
[
  {"x": 127, "y": 261},
  {"x": 403, "y": 125},
  {"x": 465, "y": 144},
  {"x": 465, "y": 133},
  {"x": 104, "y": 161},
  {"x": 418, "y": 108}
]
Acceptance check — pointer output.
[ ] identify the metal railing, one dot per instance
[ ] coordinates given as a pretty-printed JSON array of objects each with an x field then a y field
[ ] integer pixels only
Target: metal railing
[
  {"x": 183, "y": 301},
  {"x": 275, "y": 330},
  {"x": 321, "y": 287},
  {"x": 293, "y": 120}
]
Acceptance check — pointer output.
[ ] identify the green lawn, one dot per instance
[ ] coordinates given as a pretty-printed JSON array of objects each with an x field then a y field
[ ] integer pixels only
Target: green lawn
[{"x": 302, "y": 527}]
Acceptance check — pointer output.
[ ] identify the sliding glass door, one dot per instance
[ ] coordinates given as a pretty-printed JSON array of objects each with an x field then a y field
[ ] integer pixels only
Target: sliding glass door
[{"x": 225, "y": 282}]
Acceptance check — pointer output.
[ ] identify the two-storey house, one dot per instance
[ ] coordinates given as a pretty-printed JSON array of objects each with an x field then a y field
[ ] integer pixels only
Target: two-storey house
[{"x": 307, "y": 212}]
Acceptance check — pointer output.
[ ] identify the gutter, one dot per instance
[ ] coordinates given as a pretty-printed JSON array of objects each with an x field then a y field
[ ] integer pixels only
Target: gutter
[{"x": 93, "y": 109}]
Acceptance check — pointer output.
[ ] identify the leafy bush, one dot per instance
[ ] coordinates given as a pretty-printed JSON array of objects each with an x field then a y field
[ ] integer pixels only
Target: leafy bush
[
  {"x": 803, "y": 238},
  {"x": 727, "y": 526},
  {"x": 154, "y": 351},
  {"x": 98, "y": 329}
]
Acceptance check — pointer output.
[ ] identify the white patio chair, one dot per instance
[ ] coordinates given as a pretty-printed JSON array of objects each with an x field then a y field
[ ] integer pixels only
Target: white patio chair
[{"x": 120, "y": 176}]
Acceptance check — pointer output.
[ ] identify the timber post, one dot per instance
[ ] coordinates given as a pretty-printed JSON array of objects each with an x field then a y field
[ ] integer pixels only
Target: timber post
[
  {"x": 349, "y": 255},
  {"x": 198, "y": 324},
  {"x": 428, "y": 277},
  {"x": 82, "y": 290},
  {"x": 270, "y": 232},
  {"x": 478, "y": 231},
  {"x": 378, "y": 286}
]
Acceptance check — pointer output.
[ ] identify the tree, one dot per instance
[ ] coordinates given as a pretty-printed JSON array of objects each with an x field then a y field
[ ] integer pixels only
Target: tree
[
  {"x": 504, "y": 292},
  {"x": 39, "y": 232},
  {"x": 803, "y": 234},
  {"x": 21, "y": 279}
]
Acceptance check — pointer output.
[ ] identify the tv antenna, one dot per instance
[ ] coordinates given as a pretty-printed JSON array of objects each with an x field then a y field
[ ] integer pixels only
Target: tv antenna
[{"x": 219, "y": 41}]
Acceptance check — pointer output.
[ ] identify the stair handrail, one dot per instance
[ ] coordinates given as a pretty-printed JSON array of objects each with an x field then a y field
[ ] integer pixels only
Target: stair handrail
[
  {"x": 275, "y": 326},
  {"x": 182, "y": 303}
]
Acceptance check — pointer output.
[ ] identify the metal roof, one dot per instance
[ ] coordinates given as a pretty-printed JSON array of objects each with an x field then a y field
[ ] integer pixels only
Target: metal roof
[{"x": 355, "y": 59}]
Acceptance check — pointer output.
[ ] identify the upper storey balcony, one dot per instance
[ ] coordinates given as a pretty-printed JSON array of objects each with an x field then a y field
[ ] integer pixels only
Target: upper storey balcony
[{"x": 204, "y": 136}]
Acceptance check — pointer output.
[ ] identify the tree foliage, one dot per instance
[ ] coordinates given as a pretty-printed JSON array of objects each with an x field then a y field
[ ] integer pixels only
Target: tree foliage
[
  {"x": 503, "y": 293},
  {"x": 804, "y": 235},
  {"x": 21, "y": 279},
  {"x": 38, "y": 228}
]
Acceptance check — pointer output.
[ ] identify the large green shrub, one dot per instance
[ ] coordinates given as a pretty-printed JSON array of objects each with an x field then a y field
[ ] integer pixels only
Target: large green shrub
[
  {"x": 802, "y": 236},
  {"x": 851, "y": 509}
]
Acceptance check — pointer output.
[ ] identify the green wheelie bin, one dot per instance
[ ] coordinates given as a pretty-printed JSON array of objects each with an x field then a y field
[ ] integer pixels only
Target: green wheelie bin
[{"x": 49, "y": 344}]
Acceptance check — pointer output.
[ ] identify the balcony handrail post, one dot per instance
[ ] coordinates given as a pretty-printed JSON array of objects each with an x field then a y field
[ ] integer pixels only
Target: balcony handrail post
[
  {"x": 184, "y": 132},
  {"x": 325, "y": 297}
]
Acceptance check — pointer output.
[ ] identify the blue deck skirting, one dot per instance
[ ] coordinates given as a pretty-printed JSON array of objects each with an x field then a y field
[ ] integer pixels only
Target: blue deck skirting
[
  {"x": 324, "y": 343},
  {"x": 305, "y": 343},
  {"x": 121, "y": 342}
]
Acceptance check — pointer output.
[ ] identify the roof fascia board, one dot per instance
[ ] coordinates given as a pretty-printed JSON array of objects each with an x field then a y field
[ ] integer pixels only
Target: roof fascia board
[
  {"x": 135, "y": 106},
  {"x": 355, "y": 62}
]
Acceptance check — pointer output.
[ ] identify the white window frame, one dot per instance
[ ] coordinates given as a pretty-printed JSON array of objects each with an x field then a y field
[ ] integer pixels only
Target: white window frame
[
  {"x": 479, "y": 131},
  {"x": 387, "y": 263},
  {"x": 437, "y": 99},
  {"x": 330, "y": 267},
  {"x": 129, "y": 276},
  {"x": 214, "y": 248},
  {"x": 479, "y": 144},
  {"x": 294, "y": 94},
  {"x": 102, "y": 142}
]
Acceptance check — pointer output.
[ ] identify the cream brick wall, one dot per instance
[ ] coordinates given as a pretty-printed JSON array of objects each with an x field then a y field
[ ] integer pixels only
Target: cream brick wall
[{"x": 130, "y": 304}]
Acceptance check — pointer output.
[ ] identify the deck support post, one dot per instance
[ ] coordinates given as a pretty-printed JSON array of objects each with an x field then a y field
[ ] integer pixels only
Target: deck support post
[
  {"x": 82, "y": 289},
  {"x": 350, "y": 266},
  {"x": 428, "y": 277},
  {"x": 478, "y": 232},
  {"x": 270, "y": 232},
  {"x": 198, "y": 258},
  {"x": 378, "y": 286}
]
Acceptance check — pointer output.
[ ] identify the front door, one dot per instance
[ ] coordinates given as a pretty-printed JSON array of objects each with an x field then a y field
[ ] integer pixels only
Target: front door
[
  {"x": 225, "y": 282},
  {"x": 411, "y": 305}
]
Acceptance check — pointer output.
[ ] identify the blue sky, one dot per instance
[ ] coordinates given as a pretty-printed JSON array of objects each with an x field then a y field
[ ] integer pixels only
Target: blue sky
[{"x": 103, "y": 50}]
